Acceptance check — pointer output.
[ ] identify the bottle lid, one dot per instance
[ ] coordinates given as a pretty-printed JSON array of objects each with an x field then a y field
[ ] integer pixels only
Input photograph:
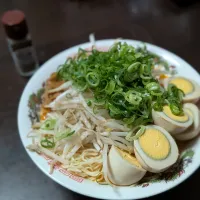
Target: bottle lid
[{"x": 14, "y": 23}]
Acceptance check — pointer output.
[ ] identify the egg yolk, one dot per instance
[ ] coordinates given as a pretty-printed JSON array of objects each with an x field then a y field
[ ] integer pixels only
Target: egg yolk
[
  {"x": 155, "y": 144},
  {"x": 131, "y": 159},
  {"x": 185, "y": 85},
  {"x": 182, "y": 118}
]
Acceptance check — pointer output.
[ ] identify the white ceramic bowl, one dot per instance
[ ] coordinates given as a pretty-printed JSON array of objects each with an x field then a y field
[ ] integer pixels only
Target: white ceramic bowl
[{"x": 87, "y": 187}]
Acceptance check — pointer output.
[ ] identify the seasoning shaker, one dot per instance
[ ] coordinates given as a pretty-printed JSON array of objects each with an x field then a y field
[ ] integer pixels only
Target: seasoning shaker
[{"x": 20, "y": 42}]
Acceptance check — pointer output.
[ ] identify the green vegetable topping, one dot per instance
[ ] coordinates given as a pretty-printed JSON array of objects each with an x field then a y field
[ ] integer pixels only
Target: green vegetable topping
[
  {"x": 64, "y": 135},
  {"x": 121, "y": 81},
  {"x": 48, "y": 124},
  {"x": 135, "y": 133},
  {"x": 48, "y": 142},
  {"x": 92, "y": 79}
]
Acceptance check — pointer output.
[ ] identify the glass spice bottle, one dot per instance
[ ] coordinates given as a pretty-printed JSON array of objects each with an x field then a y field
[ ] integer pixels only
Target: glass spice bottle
[{"x": 20, "y": 42}]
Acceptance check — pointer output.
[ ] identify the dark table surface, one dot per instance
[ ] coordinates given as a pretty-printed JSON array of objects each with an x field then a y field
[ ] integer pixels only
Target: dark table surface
[{"x": 56, "y": 25}]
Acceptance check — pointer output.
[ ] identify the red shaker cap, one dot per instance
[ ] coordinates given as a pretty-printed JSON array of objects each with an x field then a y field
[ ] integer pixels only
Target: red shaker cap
[
  {"x": 14, "y": 22},
  {"x": 13, "y": 17}
]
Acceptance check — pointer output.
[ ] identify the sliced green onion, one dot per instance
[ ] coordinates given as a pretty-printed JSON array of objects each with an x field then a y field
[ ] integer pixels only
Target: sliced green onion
[
  {"x": 146, "y": 81},
  {"x": 134, "y": 67},
  {"x": 131, "y": 73},
  {"x": 157, "y": 107},
  {"x": 133, "y": 97},
  {"x": 89, "y": 102},
  {"x": 175, "y": 109},
  {"x": 153, "y": 86},
  {"x": 64, "y": 135},
  {"x": 170, "y": 89},
  {"x": 138, "y": 55},
  {"x": 99, "y": 102},
  {"x": 110, "y": 87},
  {"x": 129, "y": 120},
  {"x": 118, "y": 98},
  {"x": 141, "y": 121},
  {"x": 93, "y": 79},
  {"x": 180, "y": 94},
  {"x": 114, "y": 110},
  {"x": 145, "y": 77},
  {"x": 145, "y": 71},
  {"x": 103, "y": 85},
  {"x": 159, "y": 93},
  {"x": 128, "y": 77},
  {"x": 47, "y": 142},
  {"x": 81, "y": 83},
  {"x": 48, "y": 124},
  {"x": 175, "y": 96},
  {"x": 135, "y": 133}
]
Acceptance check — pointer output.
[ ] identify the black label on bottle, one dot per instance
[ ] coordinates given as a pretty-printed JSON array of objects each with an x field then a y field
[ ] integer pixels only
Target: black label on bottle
[
  {"x": 21, "y": 45},
  {"x": 26, "y": 59}
]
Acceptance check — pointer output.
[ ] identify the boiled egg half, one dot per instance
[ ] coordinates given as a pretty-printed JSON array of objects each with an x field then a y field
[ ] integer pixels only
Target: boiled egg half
[
  {"x": 190, "y": 88},
  {"x": 155, "y": 149},
  {"x": 194, "y": 129},
  {"x": 123, "y": 168},
  {"x": 170, "y": 122}
]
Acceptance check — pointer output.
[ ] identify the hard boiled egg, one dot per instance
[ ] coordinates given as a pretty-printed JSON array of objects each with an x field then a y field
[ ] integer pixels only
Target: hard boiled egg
[
  {"x": 190, "y": 88},
  {"x": 156, "y": 150},
  {"x": 172, "y": 123},
  {"x": 123, "y": 168},
  {"x": 194, "y": 129}
]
